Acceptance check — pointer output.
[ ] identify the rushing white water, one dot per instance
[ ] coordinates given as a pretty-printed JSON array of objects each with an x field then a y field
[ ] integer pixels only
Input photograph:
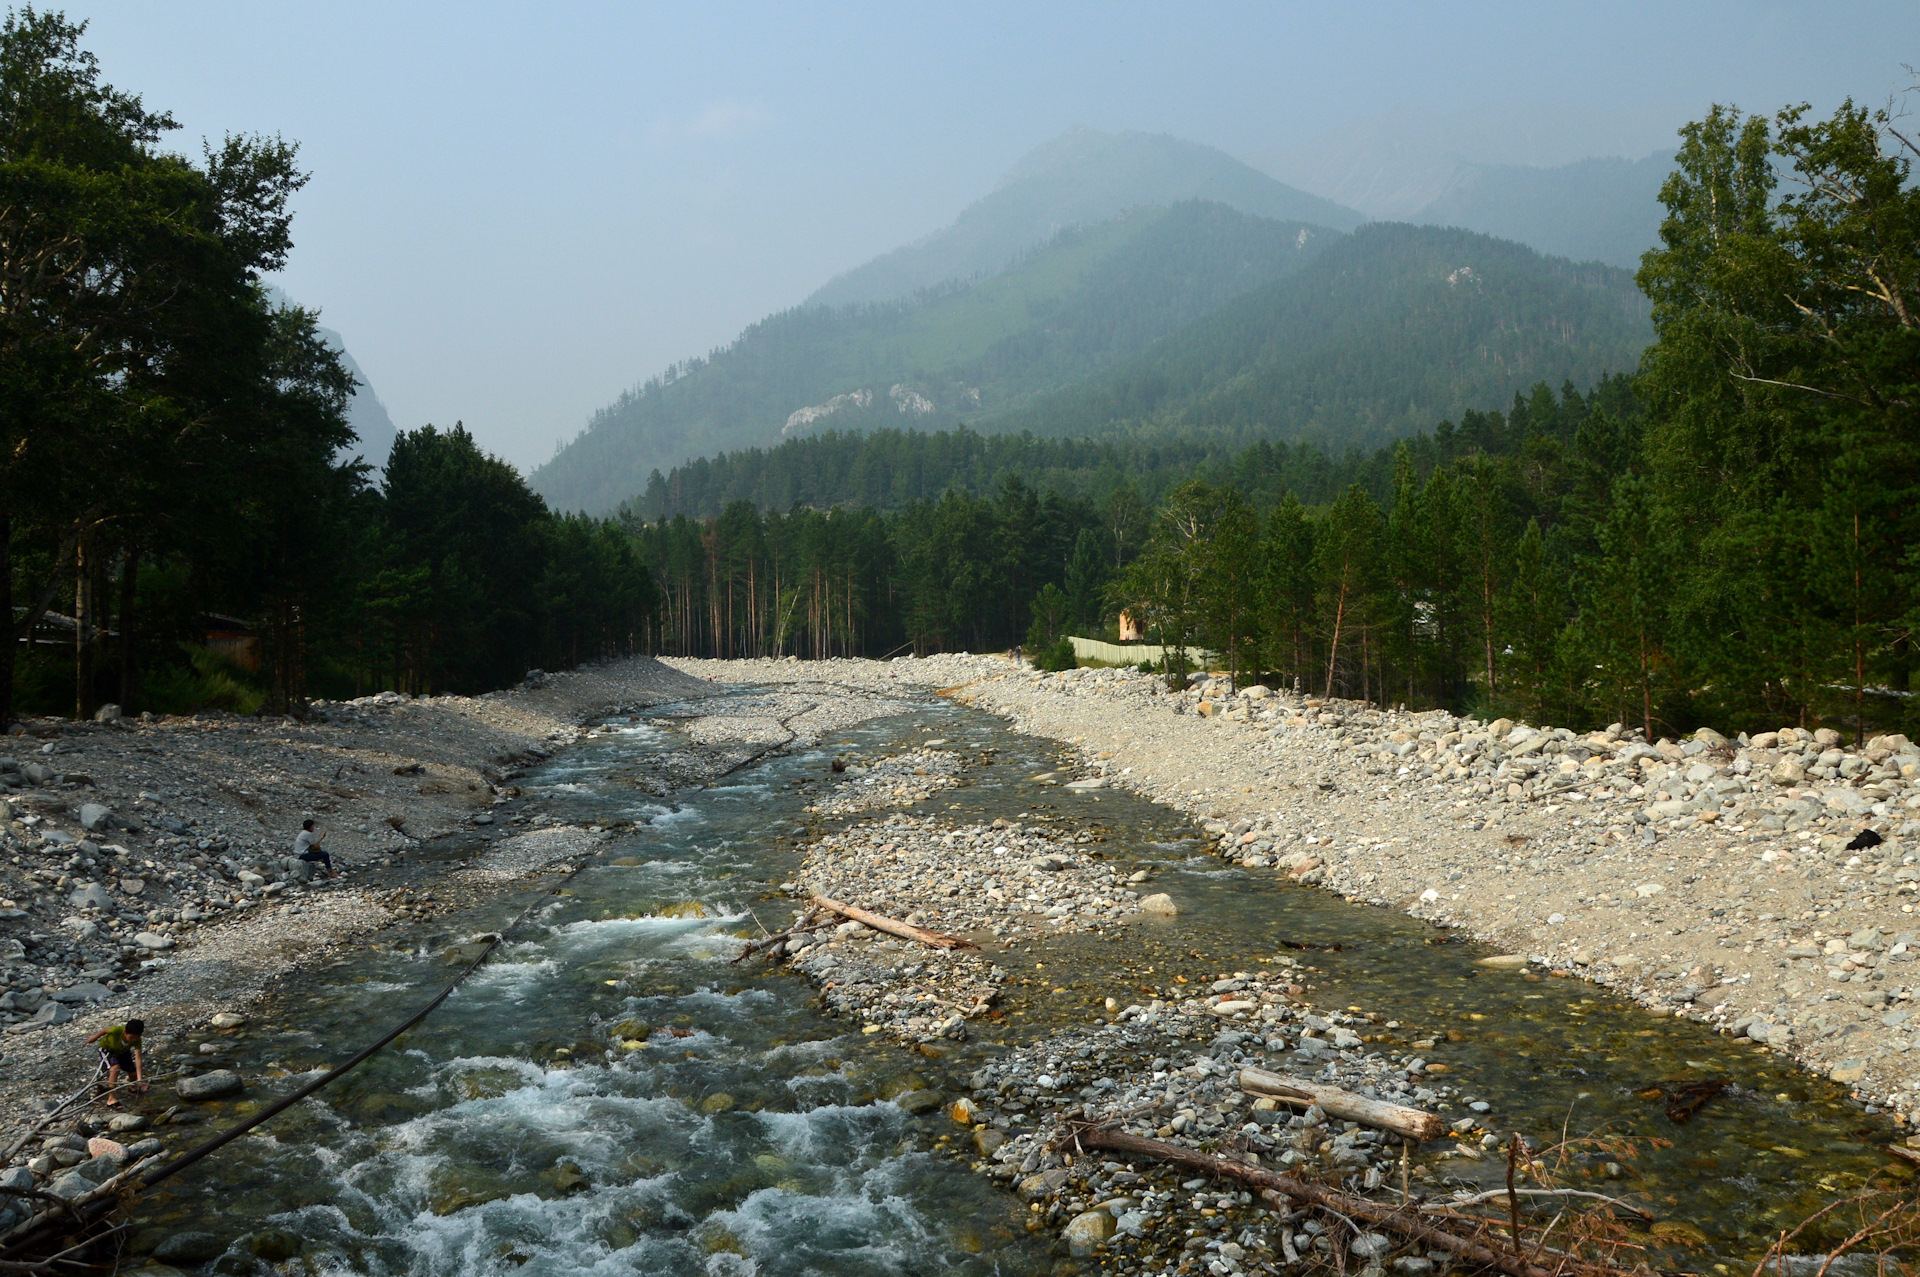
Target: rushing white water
[{"x": 744, "y": 1137}]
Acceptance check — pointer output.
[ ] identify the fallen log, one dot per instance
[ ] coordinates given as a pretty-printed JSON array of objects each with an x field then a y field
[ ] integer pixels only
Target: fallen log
[
  {"x": 1408, "y": 1123},
  {"x": 906, "y": 931},
  {"x": 1401, "y": 1223}
]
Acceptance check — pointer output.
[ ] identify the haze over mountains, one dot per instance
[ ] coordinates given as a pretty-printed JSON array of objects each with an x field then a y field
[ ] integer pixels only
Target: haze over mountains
[
  {"x": 1081, "y": 177},
  {"x": 1554, "y": 181},
  {"x": 1133, "y": 283}
]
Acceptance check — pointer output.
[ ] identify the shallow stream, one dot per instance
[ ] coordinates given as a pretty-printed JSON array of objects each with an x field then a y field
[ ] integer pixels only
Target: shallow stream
[{"x": 751, "y": 1134}]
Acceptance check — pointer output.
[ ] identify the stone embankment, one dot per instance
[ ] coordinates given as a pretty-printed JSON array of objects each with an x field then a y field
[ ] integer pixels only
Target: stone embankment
[{"x": 1721, "y": 879}]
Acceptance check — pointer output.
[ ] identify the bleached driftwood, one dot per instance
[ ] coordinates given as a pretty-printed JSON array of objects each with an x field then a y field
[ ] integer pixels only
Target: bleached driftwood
[
  {"x": 906, "y": 931},
  {"x": 1408, "y": 1123}
]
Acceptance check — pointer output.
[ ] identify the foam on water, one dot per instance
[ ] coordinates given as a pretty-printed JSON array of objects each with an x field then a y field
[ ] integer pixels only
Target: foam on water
[{"x": 820, "y": 1192}]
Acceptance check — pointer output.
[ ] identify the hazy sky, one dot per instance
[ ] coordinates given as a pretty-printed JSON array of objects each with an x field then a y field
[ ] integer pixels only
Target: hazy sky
[{"x": 517, "y": 211}]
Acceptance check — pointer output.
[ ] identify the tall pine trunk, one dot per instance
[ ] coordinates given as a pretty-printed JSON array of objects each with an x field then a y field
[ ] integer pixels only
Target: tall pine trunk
[
  {"x": 83, "y": 621},
  {"x": 6, "y": 609},
  {"x": 129, "y": 669}
]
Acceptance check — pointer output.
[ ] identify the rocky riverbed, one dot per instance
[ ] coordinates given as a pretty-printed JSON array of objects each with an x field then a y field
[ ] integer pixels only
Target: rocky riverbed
[
  {"x": 1710, "y": 877},
  {"x": 1164, "y": 1065},
  {"x": 145, "y": 867}
]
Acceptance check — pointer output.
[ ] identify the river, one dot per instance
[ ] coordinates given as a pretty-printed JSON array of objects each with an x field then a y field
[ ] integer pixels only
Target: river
[{"x": 752, "y": 1134}]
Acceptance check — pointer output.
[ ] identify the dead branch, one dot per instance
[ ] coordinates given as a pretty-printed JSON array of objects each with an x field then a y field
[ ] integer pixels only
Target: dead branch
[
  {"x": 1402, "y": 1223},
  {"x": 1497, "y": 1193},
  {"x": 811, "y": 920}
]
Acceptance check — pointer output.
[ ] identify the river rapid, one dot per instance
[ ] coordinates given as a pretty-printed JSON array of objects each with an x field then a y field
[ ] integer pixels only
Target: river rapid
[{"x": 751, "y": 1134}]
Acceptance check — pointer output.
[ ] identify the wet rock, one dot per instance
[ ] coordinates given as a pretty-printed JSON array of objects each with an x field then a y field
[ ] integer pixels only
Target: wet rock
[
  {"x": 227, "y": 1020},
  {"x": 718, "y": 1102},
  {"x": 275, "y": 1245},
  {"x": 1042, "y": 1183},
  {"x": 919, "y": 1102},
  {"x": 569, "y": 1178},
  {"x": 189, "y": 1248},
  {"x": 1159, "y": 904},
  {"x": 216, "y": 1085},
  {"x": 1089, "y": 1231}
]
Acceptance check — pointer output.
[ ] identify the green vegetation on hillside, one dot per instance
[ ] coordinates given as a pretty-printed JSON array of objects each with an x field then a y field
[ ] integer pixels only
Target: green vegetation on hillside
[
  {"x": 1738, "y": 555},
  {"x": 986, "y": 565},
  {"x": 1729, "y": 543},
  {"x": 1388, "y": 329},
  {"x": 888, "y": 469},
  {"x": 1086, "y": 300}
]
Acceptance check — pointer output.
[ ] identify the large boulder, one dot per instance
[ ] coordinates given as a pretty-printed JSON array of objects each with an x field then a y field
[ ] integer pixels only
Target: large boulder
[{"x": 216, "y": 1085}]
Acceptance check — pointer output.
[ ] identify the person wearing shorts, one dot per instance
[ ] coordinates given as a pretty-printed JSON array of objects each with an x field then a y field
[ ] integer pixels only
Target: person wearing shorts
[{"x": 119, "y": 1046}]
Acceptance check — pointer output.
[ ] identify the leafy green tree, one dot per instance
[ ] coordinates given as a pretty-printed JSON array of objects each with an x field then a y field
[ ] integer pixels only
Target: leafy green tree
[
  {"x": 1532, "y": 616},
  {"x": 1290, "y": 560},
  {"x": 1349, "y": 580},
  {"x": 1623, "y": 630},
  {"x": 114, "y": 254},
  {"x": 1051, "y": 610},
  {"x": 1231, "y": 579},
  {"x": 1088, "y": 572}
]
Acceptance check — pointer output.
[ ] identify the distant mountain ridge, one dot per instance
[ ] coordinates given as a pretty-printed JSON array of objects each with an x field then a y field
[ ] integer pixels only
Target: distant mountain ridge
[
  {"x": 1387, "y": 331},
  {"x": 1080, "y": 178},
  {"x": 365, "y": 413},
  {"x": 1604, "y": 210},
  {"x": 1088, "y": 299},
  {"x": 1155, "y": 321}
]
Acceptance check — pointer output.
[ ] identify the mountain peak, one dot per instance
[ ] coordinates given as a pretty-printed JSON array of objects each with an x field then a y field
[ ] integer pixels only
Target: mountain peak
[{"x": 1081, "y": 177}]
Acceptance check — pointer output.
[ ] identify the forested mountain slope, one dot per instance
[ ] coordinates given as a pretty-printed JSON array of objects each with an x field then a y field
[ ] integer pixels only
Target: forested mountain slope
[
  {"x": 1386, "y": 331},
  {"x": 1080, "y": 178},
  {"x": 1088, "y": 299}
]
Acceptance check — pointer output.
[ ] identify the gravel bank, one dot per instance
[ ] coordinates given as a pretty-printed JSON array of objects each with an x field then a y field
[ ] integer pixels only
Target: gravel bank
[
  {"x": 1165, "y": 1066},
  {"x": 1710, "y": 878}
]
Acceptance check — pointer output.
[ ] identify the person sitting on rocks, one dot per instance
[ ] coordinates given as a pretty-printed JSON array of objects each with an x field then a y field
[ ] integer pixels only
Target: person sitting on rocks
[
  {"x": 306, "y": 845},
  {"x": 120, "y": 1052}
]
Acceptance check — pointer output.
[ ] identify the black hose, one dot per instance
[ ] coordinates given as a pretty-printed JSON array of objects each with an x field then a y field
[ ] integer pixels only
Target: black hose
[{"x": 194, "y": 1154}]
